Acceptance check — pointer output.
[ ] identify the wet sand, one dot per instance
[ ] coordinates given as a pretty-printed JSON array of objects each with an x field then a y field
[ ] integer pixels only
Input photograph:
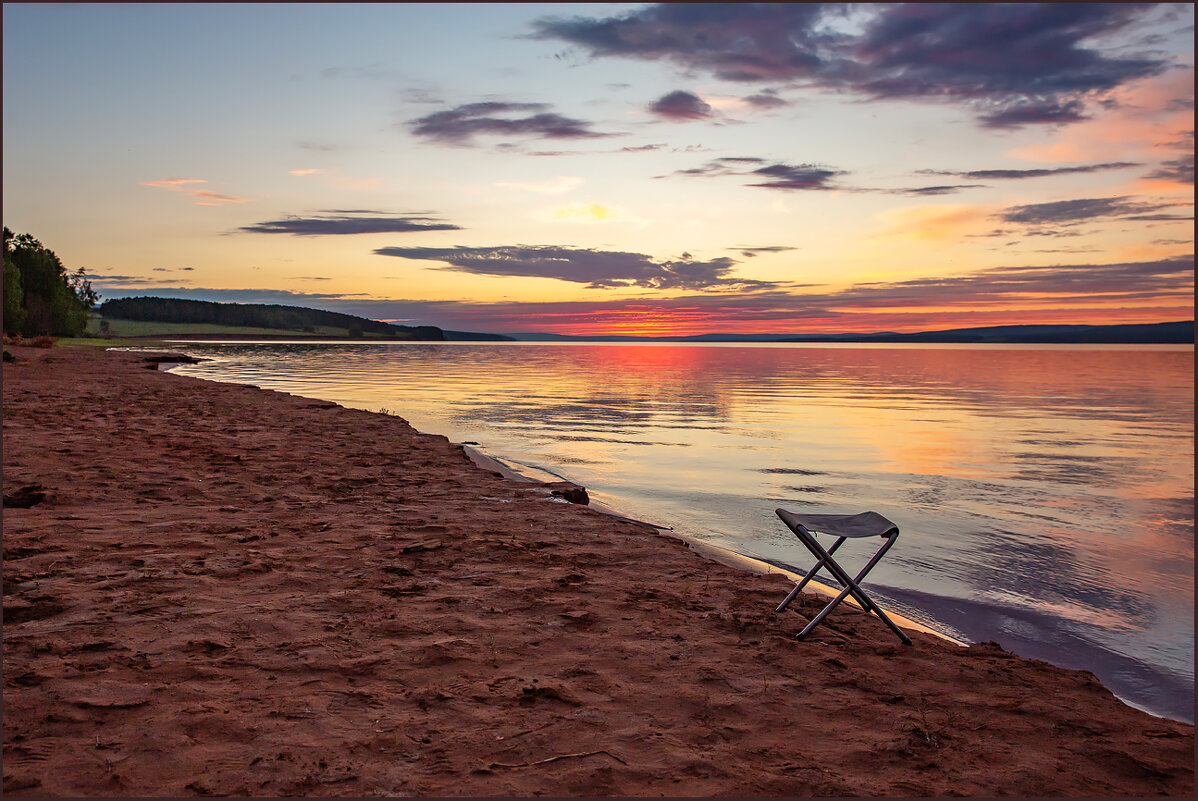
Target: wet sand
[{"x": 216, "y": 589}]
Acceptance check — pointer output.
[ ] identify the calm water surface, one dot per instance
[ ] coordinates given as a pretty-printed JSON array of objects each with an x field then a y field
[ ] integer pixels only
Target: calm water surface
[{"x": 1045, "y": 494}]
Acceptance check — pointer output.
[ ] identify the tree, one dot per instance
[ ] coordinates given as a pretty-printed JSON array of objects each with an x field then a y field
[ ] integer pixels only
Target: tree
[
  {"x": 14, "y": 298},
  {"x": 40, "y": 297}
]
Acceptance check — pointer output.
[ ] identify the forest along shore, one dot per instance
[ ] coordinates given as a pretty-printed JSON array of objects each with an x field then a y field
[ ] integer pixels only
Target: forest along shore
[{"x": 215, "y": 589}]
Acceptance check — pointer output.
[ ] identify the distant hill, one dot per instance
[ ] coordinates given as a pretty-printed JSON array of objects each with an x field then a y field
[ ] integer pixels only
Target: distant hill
[
  {"x": 1152, "y": 333},
  {"x": 473, "y": 336},
  {"x": 250, "y": 315},
  {"x": 1149, "y": 333}
]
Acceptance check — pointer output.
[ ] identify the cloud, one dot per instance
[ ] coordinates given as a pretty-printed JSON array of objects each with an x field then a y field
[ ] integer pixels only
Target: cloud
[
  {"x": 1019, "y": 114},
  {"x": 1179, "y": 170},
  {"x": 1066, "y": 212},
  {"x": 598, "y": 269},
  {"x": 766, "y": 99},
  {"x": 770, "y": 176},
  {"x": 1013, "y": 64},
  {"x": 935, "y": 190},
  {"x": 206, "y": 197},
  {"x": 174, "y": 183},
  {"x": 815, "y": 177},
  {"x": 338, "y": 222},
  {"x": 459, "y": 126},
  {"x": 801, "y": 177},
  {"x": 681, "y": 106},
  {"x": 305, "y": 172},
  {"x": 728, "y": 165},
  {"x": 997, "y": 175},
  {"x": 752, "y": 252},
  {"x": 735, "y": 42}
]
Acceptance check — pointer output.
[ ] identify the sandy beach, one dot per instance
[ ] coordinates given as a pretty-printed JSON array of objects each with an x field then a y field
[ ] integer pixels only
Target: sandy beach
[{"x": 212, "y": 589}]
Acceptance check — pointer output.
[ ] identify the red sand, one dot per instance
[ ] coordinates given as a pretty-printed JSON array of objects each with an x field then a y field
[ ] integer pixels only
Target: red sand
[{"x": 227, "y": 590}]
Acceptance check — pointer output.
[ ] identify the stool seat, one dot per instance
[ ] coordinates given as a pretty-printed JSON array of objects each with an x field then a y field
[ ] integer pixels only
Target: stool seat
[{"x": 865, "y": 524}]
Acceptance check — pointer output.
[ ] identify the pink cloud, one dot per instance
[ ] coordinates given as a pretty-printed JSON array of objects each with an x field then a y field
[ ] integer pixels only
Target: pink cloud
[{"x": 206, "y": 197}]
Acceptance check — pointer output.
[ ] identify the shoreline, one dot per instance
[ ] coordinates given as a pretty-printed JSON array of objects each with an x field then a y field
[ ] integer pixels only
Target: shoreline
[{"x": 232, "y": 590}]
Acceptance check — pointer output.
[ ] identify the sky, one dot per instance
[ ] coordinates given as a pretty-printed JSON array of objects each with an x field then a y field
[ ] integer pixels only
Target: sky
[{"x": 610, "y": 168}]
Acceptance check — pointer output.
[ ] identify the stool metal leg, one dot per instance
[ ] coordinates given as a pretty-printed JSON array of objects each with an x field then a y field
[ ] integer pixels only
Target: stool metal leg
[
  {"x": 810, "y": 575},
  {"x": 850, "y": 584}
]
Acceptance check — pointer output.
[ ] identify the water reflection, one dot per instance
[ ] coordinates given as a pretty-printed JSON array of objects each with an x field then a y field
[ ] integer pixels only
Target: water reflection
[{"x": 1049, "y": 492}]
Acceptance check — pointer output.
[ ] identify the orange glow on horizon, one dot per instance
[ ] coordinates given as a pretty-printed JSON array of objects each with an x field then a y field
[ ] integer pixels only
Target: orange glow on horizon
[{"x": 614, "y": 323}]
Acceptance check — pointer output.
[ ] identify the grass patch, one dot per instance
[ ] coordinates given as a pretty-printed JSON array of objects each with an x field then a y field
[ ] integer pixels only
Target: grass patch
[{"x": 101, "y": 342}]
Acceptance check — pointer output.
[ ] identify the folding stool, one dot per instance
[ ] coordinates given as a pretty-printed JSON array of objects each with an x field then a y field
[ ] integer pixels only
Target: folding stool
[{"x": 865, "y": 524}]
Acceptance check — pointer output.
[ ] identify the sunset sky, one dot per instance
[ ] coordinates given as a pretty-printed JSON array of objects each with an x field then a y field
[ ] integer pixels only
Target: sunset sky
[{"x": 615, "y": 168}]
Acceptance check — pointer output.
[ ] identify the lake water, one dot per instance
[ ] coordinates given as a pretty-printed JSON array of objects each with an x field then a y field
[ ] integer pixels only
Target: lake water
[{"x": 1045, "y": 494}]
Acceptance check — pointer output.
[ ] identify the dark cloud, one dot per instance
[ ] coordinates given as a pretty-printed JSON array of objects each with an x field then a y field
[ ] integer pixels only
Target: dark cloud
[
  {"x": 728, "y": 165},
  {"x": 1080, "y": 210},
  {"x": 641, "y": 148},
  {"x": 936, "y": 190},
  {"x": 1180, "y": 170},
  {"x": 812, "y": 176},
  {"x": 681, "y": 105},
  {"x": 752, "y": 252},
  {"x": 1027, "y": 233},
  {"x": 335, "y": 222},
  {"x": 742, "y": 42},
  {"x": 792, "y": 177},
  {"x": 1013, "y": 63},
  {"x": 769, "y": 176},
  {"x": 597, "y": 269},
  {"x": 1161, "y": 217},
  {"x": 998, "y": 175},
  {"x": 766, "y": 99},
  {"x": 1019, "y": 114},
  {"x": 459, "y": 126},
  {"x": 131, "y": 284}
]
